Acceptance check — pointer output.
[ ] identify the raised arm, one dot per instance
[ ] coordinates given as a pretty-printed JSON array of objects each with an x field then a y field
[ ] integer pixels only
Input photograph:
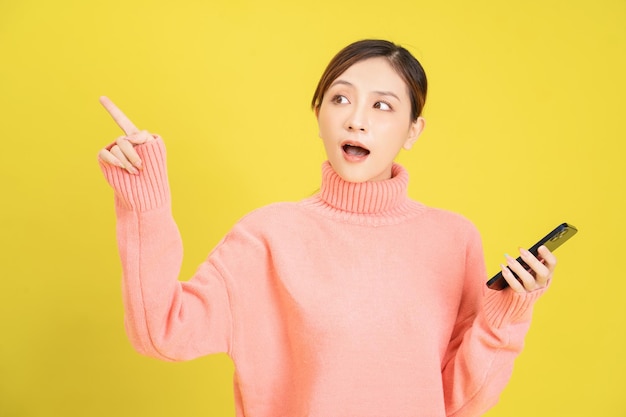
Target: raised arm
[{"x": 164, "y": 317}]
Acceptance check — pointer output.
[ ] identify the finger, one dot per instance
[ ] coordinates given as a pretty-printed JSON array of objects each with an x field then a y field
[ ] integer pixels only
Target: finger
[
  {"x": 548, "y": 258},
  {"x": 510, "y": 278},
  {"x": 120, "y": 118},
  {"x": 106, "y": 156},
  {"x": 127, "y": 145},
  {"x": 537, "y": 266},
  {"x": 140, "y": 137},
  {"x": 129, "y": 152},
  {"x": 117, "y": 152},
  {"x": 525, "y": 276}
]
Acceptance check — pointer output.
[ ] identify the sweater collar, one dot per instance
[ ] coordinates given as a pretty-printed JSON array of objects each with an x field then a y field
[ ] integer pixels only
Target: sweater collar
[{"x": 364, "y": 197}]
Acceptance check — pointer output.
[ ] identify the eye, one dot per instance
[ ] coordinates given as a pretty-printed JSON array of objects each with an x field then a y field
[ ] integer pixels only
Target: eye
[
  {"x": 382, "y": 105},
  {"x": 339, "y": 99}
]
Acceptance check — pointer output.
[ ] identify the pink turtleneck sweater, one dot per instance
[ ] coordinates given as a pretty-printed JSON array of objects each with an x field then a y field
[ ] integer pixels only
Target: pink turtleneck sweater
[{"x": 354, "y": 302}]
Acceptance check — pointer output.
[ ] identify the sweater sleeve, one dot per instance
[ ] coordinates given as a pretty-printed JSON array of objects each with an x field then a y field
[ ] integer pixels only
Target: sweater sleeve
[
  {"x": 488, "y": 336},
  {"x": 164, "y": 317}
]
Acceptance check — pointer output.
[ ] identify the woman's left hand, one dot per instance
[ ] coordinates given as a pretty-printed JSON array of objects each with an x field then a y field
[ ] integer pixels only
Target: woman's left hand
[{"x": 536, "y": 277}]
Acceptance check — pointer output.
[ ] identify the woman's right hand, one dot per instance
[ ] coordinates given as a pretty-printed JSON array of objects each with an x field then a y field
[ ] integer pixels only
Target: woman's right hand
[{"x": 122, "y": 153}]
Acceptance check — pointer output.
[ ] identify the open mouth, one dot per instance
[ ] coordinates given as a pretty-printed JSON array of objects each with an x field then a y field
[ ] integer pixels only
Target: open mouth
[{"x": 355, "y": 150}]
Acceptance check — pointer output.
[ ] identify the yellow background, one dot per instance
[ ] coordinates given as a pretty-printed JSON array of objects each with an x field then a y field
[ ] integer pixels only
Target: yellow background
[{"x": 525, "y": 121}]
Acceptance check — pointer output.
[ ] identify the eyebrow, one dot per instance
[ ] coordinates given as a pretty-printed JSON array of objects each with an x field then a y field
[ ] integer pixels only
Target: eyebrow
[{"x": 382, "y": 93}]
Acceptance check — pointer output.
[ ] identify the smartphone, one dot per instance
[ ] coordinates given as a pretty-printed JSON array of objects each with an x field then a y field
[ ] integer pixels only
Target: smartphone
[{"x": 552, "y": 240}]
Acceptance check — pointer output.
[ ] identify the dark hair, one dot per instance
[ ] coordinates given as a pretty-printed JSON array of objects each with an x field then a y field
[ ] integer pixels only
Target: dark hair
[{"x": 401, "y": 60}]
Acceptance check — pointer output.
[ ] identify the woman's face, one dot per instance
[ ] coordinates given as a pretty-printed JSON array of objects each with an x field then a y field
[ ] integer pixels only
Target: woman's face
[{"x": 365, "y": 119}]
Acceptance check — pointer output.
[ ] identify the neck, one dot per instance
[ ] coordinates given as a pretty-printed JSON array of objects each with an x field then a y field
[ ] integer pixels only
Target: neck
[
  {"x": 368, "y": 203},
  {"x": 364, "y": 197}
]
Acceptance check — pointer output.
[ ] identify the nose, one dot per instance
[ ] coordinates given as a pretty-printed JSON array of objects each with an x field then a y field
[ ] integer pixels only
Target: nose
[{"x": 357, "y": 120}]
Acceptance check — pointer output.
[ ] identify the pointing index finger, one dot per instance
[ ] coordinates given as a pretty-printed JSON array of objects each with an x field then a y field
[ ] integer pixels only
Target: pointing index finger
[{"x": 120, "y": 118}]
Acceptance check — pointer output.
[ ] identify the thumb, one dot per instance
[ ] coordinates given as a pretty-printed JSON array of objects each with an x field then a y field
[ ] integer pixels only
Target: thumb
[{"x": 140, "y": 137}]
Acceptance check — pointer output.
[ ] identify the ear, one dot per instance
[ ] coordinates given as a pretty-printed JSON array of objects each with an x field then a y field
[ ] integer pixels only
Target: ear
[
  {"x": 415, "y": 130},
  {"x": 317, "y": 117}
]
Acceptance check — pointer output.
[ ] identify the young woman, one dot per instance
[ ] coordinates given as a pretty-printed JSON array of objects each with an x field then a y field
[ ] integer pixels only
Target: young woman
[{"x": 357, "y": 301}]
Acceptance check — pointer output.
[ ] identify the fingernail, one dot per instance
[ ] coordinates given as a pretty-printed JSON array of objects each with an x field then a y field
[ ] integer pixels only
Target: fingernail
[
  {"x": 139, "y": 164},
  {"x": 132, "y": 170},
  {"x": 523, "y": 251}
]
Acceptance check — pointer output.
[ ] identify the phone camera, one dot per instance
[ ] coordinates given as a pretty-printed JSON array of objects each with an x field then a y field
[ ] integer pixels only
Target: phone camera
[{"x": 559, "y": 235}]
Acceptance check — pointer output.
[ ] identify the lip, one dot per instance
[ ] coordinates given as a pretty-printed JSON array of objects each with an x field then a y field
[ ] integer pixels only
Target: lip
[{"x": 352, "y": 157}]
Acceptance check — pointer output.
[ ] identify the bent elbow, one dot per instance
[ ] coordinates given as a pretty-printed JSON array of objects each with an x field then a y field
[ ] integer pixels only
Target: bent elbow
[{"x": 145, "y": 345}]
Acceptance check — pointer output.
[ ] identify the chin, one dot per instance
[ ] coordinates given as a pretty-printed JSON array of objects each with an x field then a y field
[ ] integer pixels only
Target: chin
[
  {"x": 355, "y": 175},
  {"x": 353, "y": 178}
]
